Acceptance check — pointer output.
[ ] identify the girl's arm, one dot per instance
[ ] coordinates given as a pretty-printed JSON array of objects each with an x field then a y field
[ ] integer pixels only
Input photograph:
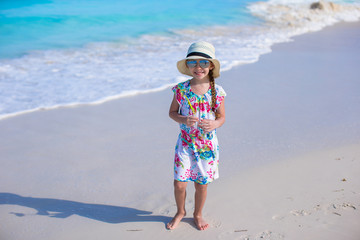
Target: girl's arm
[
  {"x": 174, "y": 114},
  {"x": 210, "y": 125}
]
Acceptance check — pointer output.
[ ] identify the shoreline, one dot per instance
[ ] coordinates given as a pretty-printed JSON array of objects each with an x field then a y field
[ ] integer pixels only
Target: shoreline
[
  {"x": 234, "y": 64},
  {"x": 81, "y": 165}
]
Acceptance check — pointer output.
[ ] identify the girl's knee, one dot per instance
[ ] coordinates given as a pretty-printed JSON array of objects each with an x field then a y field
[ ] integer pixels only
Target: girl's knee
[
  {"x": 180, "y": 186},
  {"x": 200, "y": 187}
]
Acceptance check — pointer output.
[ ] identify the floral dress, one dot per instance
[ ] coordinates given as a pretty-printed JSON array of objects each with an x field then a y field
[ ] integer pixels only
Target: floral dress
[{"x": 196, "y": 152}]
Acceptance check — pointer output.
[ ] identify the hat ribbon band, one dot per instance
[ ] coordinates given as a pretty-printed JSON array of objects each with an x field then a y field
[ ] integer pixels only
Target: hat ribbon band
[{"x": 200, "y": 54}]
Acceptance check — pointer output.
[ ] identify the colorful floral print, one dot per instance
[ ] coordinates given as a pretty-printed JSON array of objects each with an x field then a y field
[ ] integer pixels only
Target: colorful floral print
[{"x": 196, "y": 152}]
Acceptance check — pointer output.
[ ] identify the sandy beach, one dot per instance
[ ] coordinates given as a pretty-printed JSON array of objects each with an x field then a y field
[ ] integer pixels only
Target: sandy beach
[{"x": 289, "y": 164}]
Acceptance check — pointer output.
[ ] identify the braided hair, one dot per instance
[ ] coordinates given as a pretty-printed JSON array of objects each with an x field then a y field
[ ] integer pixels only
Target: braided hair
[{"x": 213, "y": 92}]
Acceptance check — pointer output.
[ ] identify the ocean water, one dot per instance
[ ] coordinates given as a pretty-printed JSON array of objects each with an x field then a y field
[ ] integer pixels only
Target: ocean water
[{"x": 68, "y": 52}]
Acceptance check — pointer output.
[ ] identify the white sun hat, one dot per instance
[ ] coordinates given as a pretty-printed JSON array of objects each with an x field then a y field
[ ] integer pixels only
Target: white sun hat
[{"x": 200, "y": 50}]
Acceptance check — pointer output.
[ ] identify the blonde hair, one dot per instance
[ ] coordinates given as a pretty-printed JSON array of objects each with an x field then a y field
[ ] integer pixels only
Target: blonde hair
[{"x": 213, "y": 92}]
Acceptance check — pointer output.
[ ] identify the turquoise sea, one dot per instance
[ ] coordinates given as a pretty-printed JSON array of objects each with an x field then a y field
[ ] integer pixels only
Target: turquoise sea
[{"x": 67, "y": 52}]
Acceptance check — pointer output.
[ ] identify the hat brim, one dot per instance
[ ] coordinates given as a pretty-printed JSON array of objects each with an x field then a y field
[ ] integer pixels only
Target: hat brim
[{"x": 181, "y": 65}]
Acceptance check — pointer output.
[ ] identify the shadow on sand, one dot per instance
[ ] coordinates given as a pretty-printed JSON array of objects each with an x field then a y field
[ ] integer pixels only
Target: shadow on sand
[{"x": 57, "y": 208}]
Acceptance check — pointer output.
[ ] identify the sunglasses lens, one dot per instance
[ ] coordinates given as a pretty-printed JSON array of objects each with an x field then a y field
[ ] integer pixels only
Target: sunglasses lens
[
  {"x": 204, "y": 63},
  {"x": 191, "y": 64}
]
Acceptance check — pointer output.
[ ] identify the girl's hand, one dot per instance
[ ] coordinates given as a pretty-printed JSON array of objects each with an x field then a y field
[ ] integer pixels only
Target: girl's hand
[
  {"x": 191, "y": 121},
  {"x": 208, "y": 125}
]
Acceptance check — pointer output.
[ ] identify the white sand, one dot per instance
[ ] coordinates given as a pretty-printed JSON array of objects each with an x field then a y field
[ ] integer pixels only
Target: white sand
[{"x": 105, "y": 172}]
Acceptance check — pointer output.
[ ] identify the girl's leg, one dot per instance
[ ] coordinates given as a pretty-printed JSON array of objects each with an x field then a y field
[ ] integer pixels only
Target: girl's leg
[
  {"x": 200, "y": 198},
  {"x": 180, "y": 196}
]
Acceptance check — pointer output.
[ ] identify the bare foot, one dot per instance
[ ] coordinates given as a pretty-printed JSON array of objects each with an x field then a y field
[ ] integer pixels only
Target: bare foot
[
  {"x": 175, "y": 221},
  {"x": 200, "y": 223}
]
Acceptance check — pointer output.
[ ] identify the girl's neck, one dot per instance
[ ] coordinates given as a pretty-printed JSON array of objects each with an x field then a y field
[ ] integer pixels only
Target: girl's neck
[
  {"x": 195, "y": 81},
  {"x": 199, "y": 87}
]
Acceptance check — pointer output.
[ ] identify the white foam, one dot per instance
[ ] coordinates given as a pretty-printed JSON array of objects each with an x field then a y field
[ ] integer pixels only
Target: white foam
[{"x": 297, "y": 17}]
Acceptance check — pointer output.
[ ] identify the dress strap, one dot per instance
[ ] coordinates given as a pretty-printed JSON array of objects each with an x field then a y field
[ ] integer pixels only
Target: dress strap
[{"x": 192, "y": 109}]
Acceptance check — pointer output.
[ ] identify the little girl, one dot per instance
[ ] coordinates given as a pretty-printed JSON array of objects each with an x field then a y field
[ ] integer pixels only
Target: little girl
[{"x": 198, "y": 106}]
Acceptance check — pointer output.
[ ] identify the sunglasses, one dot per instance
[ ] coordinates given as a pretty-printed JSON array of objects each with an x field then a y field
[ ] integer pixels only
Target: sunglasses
[{"x": 202, "y": 63}]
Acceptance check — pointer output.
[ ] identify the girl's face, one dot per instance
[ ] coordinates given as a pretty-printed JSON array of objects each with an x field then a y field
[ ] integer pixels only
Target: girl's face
[{"x": 201, "y": 70}]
